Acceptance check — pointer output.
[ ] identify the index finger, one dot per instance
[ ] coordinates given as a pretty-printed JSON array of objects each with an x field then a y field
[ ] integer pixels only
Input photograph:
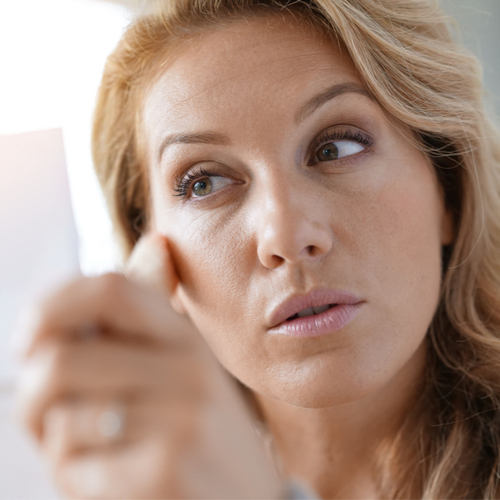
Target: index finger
[
  {"x": 113, "y": 306},
  {"x": 151, "y": 264}
]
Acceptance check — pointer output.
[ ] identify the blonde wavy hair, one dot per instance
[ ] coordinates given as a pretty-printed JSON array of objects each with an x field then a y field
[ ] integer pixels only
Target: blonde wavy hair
[{"x": 449, "y": 445}]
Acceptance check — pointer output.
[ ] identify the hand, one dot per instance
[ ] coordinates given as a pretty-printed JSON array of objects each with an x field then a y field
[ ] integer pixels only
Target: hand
[{"x": 126, "y": 400}]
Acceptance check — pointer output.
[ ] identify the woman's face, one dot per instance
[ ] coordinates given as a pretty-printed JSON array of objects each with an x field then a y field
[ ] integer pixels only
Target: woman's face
[{"x": 275, "y": 176}]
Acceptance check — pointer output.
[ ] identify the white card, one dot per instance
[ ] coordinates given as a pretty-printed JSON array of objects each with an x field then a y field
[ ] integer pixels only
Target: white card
[{"x": 38, "y": 239}]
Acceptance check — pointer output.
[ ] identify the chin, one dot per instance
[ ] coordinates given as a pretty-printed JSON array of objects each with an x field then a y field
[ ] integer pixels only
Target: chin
[
  {"x": 325, "y": 383},
  {"x": 342, "y": 377}
]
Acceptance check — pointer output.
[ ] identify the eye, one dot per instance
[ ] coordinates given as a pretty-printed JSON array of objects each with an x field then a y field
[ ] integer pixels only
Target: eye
[
  {"x": 207, "y": 185},
  {"x": 200, "y": 183},
  {"x": 338, "y": 149},
  {"x": 339, "y": 142}
]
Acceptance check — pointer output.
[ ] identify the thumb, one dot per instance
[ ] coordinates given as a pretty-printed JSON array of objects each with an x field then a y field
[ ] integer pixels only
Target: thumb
[{"x": 151, "y": 264}]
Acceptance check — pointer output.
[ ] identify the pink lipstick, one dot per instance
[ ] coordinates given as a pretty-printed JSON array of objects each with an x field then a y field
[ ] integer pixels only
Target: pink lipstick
[{"x": 318, "y": 313}]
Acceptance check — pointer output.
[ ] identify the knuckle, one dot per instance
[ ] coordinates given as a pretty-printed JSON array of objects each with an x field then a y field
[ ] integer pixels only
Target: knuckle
[
  {"x": 42, "y": 316},
  {"x": 114, "y": 290},
  {"x": 37, "y": 385},
  {"x": 55, "y": 443},
  {"x": 111, "y": 283},
  {"x": 45, "y": 382},
  {"x": 52, "y": 368},
  {"x": 49, "y": 307},
  {"x": 61, "y": 383}
]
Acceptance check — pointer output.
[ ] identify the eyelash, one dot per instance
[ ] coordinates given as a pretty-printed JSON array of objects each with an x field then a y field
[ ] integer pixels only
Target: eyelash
[
  {"x": 183, "y": 184},
  {"x": 339, "y": 135}
]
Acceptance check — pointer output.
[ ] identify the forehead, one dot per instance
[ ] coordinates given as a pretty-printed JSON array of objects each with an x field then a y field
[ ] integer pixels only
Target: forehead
[{"x": 248, "y": 69}]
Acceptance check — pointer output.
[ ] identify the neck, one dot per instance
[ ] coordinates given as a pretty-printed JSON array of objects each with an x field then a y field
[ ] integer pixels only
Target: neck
[{"x": 337, "y": 450}]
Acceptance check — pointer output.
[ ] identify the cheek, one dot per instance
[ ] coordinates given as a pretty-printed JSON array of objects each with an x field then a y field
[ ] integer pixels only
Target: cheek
[
  {"x": 388, "y": 250},
  {"x": 407, "y": 221},
  {"x": 206, "y": 254},
  {"x": 211, "y": 255},
  {"x": 402, "y": 252}
]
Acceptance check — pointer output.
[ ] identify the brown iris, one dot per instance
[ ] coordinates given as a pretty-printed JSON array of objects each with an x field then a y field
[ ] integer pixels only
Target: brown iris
[{"x": 328, "y": 152}]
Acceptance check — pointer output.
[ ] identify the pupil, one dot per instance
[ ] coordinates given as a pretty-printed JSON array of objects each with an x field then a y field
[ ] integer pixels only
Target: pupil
[
  {"x": 202, "y": 187},
  {"x": 328, "y": 152}
]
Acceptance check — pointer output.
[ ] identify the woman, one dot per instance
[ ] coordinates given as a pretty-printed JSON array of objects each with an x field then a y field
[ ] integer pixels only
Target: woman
[{"x": 315, "y": 186}]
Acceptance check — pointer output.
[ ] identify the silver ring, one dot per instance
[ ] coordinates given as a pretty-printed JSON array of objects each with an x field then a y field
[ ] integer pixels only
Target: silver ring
[{"x": 111, "y": 422}]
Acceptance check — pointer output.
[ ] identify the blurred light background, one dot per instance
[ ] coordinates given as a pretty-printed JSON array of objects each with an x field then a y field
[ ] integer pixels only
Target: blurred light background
[
  {"x": 51, "y": 58},
  {"x": 52, "y": 53}
]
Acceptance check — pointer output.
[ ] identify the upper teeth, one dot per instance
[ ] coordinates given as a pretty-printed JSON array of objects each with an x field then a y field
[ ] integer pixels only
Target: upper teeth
[{"x": 312, "y": 310}]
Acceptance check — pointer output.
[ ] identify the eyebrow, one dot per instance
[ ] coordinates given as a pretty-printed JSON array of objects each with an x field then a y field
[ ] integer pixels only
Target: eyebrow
[
  {"x": 318, "y": 100},
  {"x": 306, "y": 110},
  {"x": 194, "y": 138}
]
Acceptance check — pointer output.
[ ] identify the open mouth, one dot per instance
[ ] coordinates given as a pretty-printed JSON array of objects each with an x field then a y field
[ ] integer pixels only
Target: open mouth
[{"x": 311, "y": 311}]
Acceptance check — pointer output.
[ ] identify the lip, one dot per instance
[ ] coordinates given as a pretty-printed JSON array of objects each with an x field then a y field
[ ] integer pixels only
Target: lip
[{"x": 348, "y": 306}]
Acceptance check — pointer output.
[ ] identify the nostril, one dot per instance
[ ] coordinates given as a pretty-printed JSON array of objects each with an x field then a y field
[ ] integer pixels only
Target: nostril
[
  {"x": 276, "y": 261},
  {"x": 312, "y": 251}
]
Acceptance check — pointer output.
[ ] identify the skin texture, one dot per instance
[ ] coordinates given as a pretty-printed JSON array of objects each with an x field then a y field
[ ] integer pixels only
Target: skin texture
[
  {"x": 278, "y": 224},
  {"x": 187, "y": 430},
  {"x": 371, "y": 223}
]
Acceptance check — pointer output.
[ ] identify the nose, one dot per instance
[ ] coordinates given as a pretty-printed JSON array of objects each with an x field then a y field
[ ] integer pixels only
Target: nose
[{"x": 294, "y": 225}]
